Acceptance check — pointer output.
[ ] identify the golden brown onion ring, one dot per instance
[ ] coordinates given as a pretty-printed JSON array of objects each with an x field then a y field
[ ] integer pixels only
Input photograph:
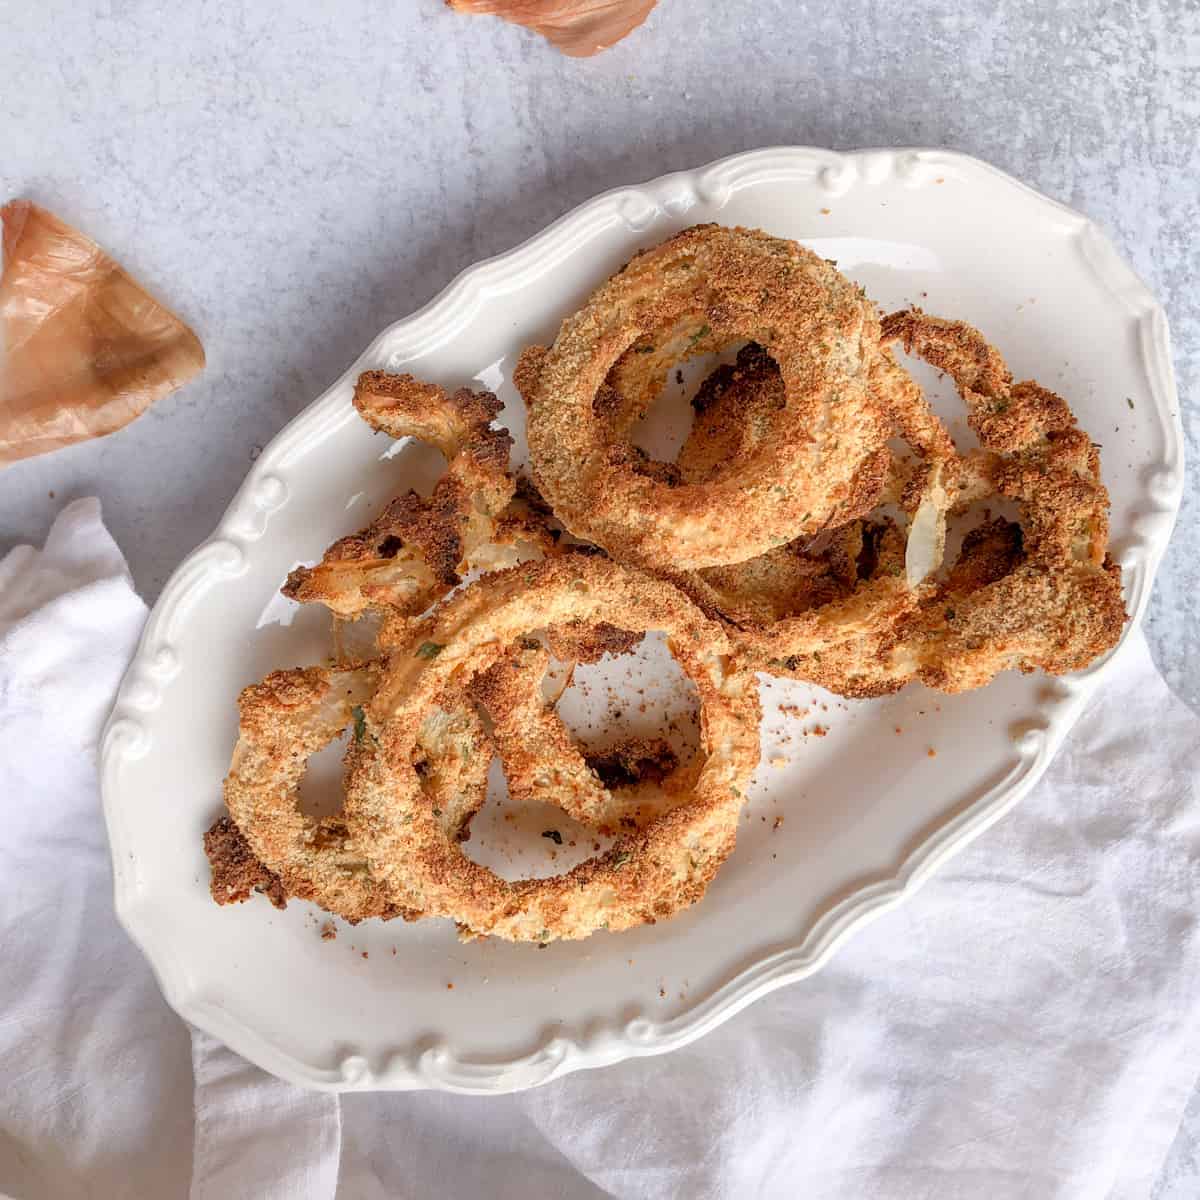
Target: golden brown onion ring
[
  {"x": 824, "y": 460},
  {"x": 542, "y": 762},
  {"x": 647, "y": 875},
  {"x": 290, "y": 716},
  {"x": 731, "y": 412},
  {"x": 1042, "y": 596},
  {"x": 619, "y": 787},
  {"x": 858, "y": 569},
  {"x": 417, "y": 549}
]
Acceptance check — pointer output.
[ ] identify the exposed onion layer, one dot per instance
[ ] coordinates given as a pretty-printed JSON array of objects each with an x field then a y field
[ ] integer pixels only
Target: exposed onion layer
[
  {"x": 1041, "y": 594},
  {"x": 418, "y": 548}
]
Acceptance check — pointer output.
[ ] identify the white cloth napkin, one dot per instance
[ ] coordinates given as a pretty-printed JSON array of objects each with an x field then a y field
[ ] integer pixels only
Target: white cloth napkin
[{"x": 1027, "y": 1026}]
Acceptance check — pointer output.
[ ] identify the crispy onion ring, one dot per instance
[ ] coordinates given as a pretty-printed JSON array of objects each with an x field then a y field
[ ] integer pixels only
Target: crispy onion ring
[
  {"x": 865, "y": 571},
  {"x": 696, "y": 293},
  {"x": 1041, "y": 595},
  {"x": 647, "y": 875},
  {"x": 290, "y": 716},
  {"x": 521, "y": 533},
  {"x": 809, "y": 572},
  {"x": 417, "y": 549},
  {"x": 543, "y": 764}
]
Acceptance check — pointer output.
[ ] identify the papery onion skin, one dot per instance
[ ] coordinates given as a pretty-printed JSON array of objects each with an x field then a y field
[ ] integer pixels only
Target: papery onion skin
[
  {"x": 84, "y": 349},
  {"x": 579, "y": 28}
]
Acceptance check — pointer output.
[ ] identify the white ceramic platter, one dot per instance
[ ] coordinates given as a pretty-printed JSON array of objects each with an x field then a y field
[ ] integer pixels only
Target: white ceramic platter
[{"x": 868, "y": 812}]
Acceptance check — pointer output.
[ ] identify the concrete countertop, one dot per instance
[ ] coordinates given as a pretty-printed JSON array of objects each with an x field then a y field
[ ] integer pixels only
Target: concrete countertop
[{"x": 291, "y": 180}]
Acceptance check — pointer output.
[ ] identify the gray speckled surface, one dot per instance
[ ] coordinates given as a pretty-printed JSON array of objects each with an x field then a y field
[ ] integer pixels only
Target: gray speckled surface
[{"x": 291, "y": 180}]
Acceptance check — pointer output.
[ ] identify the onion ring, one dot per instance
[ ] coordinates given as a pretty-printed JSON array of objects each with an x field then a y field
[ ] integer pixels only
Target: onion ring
[
  {"x": 455, "y": 753},
  {"x": 416, "y": 549},
  {"x": 698, "y": 292},
  {"x": 542, "y": 762},
  {"x": 286, "y": 719},
  {"x": 735, "y": 407},
  {"x": 809, "y": 572},
  {"x": 1042, "y": 596},
  {"x": 267, "y": 844},
  {"x": 647, "y": 875},
  {"x": 867, "y": 565}
]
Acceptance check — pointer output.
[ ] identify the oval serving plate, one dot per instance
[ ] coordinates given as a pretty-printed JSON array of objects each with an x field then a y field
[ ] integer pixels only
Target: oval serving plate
[{"x": 869, "y": 812}]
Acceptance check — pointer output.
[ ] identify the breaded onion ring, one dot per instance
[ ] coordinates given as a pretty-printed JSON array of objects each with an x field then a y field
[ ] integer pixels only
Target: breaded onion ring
[
  {"x": 647, "y": 875},
  {"x": 290, "y": 716},
  {"x": 824, "y": 460},
  {"x": 1043, "y": 595},
  {"x": 620, "y": 787},
  {"x": 866, "y": 566},
  {"x": 542, "y": 762},
  {"x": 416, "y": 549},
  {"x": 732, "y": 406}
]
